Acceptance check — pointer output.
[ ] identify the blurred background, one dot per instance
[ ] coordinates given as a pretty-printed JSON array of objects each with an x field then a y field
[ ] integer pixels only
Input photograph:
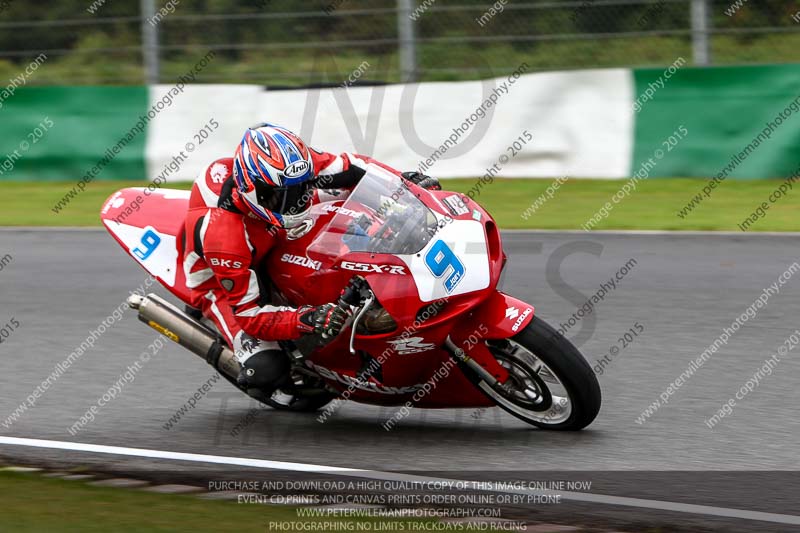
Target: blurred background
[
  {"x": 286, "y": 42},
  {"x": 560, "y": 115},
  {"x": 607, "y": 90}
]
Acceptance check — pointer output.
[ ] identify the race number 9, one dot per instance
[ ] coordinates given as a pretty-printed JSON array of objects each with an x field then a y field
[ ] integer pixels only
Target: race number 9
[
  {"x": 150, "y": 242},
  {"x": 441, "y": 260}
]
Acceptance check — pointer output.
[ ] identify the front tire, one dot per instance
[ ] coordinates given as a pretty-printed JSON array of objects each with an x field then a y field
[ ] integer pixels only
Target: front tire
[{"x": 550, "y": 384}]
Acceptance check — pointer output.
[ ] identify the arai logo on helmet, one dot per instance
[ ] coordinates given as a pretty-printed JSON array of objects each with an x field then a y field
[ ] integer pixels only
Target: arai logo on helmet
[{"x": 297, "y": 169}]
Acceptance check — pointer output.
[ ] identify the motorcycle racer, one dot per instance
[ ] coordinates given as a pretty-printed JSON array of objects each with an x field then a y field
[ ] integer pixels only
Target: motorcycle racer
[{"x": 238, "y": 208}]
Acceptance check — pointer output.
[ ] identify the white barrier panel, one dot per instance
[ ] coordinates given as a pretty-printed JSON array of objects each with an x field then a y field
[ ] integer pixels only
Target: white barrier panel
[
  {"x": 581, "y": 124},
  {"x": 233, "y": 107}
]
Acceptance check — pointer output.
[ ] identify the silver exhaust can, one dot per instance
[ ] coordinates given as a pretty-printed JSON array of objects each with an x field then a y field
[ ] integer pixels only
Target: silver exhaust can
[{"x": 179, "y": 327}]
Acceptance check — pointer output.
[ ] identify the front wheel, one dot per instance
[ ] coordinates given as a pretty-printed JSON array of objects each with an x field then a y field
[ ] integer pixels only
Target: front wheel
[{"x": 550, "y": 384}]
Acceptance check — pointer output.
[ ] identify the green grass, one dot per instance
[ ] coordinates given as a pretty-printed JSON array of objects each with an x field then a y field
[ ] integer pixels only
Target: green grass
[
  {"x": 653, "y": 206},
  {"x": 32, "y": 503},
  {"x": 30, "y": 204}
]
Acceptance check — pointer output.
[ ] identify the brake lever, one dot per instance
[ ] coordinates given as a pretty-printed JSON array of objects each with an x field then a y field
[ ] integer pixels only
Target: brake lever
[
  {"x": 357, "y": 293},
  {"x": 354, "y": 326}
]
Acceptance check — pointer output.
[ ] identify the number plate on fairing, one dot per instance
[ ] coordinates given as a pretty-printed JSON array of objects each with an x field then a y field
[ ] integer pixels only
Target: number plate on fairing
[
  {"x": 156, "y": 252},
  {"x": 455, "y": 261}
]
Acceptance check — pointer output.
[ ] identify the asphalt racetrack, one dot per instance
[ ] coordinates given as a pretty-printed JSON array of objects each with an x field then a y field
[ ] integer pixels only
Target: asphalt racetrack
[{"x": 682, "y": 290}]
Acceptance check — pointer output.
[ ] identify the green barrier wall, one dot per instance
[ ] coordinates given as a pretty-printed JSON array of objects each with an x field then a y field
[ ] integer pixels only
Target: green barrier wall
[
  {"x": 723, "y": 109},
  {"x": 86, "y": 121}
]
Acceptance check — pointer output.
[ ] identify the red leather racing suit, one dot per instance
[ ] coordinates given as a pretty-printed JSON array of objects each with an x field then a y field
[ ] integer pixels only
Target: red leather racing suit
[{"x": 225, "y": 243}]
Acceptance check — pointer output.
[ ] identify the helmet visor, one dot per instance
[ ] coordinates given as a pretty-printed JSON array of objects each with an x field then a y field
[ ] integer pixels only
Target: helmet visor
[{"x": 290, "y": 200}]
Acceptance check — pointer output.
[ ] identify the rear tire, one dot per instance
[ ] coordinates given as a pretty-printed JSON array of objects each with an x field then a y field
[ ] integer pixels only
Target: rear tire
[
  {"x": 542, "y": 363},
  {"x": 291, "y": 400}
]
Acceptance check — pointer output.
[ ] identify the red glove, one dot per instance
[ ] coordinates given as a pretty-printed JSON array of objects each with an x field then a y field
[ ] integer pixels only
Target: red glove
[{"x": 325, "y": 320}]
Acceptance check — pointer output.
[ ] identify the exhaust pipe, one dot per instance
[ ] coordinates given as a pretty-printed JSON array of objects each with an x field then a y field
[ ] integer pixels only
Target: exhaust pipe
[{"x": 177, "y": 326}]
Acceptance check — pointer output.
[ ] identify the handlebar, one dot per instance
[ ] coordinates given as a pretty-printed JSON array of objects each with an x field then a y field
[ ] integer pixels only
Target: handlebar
[{"x": 356, "y": 290}]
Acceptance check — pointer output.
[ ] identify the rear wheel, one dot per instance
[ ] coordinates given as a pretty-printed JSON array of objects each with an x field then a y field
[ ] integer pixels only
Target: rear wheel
[
  {"x": 550, "y": 384},
  {"x": 304, "y": 394}
]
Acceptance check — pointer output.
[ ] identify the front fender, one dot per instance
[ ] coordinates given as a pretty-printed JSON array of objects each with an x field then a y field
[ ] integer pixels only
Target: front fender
[
  {"x": 498, "y": 317},
  {"x": 502, "y": 315}
]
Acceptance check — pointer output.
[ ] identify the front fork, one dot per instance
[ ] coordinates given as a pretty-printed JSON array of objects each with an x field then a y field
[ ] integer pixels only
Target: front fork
[
  {"x": 499, "y": 317},
  {"x": 494, "y": 316},
  {"x": 480, "y": 371}
]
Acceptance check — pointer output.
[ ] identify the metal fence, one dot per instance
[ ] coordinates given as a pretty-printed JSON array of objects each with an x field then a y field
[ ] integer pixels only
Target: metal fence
[{"x": 292, "y": 42}]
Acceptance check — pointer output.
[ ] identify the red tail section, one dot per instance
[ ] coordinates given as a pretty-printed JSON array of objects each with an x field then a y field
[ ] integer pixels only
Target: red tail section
[{"x": 149, "y": 226}]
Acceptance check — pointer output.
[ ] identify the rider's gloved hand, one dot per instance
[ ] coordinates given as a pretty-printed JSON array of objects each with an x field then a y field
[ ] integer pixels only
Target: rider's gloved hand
[
  {"x": 426, "y": 182},
  {"x": 325, "y": 320}
]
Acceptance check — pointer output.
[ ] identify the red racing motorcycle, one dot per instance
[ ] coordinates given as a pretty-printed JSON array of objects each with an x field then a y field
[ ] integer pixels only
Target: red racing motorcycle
[{"x": 419, "y": 268}]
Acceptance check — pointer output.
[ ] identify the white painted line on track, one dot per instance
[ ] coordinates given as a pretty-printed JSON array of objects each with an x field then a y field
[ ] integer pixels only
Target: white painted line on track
[
  {"x": 424, "y": 481},
  {"x": 175, "y": 456}
]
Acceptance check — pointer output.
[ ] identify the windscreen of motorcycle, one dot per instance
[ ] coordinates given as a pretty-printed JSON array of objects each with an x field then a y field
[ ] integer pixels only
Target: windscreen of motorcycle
[{"x": 382, "y": 216}]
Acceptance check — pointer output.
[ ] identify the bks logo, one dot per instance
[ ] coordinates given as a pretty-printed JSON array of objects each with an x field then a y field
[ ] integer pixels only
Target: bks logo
[{"x": 227, "y": 263}]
